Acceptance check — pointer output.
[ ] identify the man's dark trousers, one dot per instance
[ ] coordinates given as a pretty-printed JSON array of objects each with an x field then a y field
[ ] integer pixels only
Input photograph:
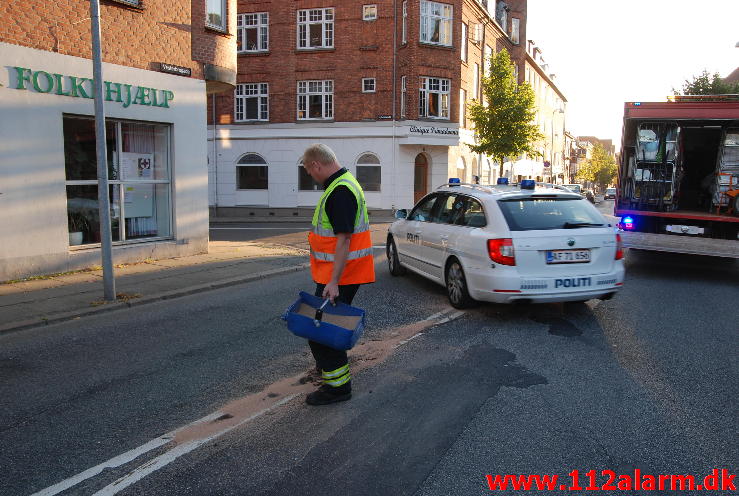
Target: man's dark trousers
[{"x": 328, "y": 358}]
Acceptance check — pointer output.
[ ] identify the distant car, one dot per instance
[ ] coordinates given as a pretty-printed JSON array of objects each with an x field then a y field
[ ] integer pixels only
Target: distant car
[
  {"x": 508, "y": 244},
  {"x": 575, "y": 188},
  {"x": 610, "y": 194}
]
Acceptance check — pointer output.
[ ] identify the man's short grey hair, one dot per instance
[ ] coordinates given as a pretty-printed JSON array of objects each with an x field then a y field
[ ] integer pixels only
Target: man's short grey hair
[{"x": 320, "y": 153}]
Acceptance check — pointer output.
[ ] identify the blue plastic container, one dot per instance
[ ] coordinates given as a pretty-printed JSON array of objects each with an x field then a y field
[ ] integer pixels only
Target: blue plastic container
[{"x": 326, "y": 332}]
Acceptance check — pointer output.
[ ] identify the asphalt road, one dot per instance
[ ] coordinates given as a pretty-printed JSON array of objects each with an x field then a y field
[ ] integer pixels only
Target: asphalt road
[{"x": 645, "y": 381}]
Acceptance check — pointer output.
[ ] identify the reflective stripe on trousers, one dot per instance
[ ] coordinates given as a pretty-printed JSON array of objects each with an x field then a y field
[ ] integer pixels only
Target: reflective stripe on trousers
[{"x": 338, "y": 377}]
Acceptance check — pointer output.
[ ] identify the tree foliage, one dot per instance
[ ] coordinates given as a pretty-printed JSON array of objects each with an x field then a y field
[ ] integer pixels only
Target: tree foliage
[
  {"x": 504, "y": 126},
  {"x": 707, "y": 84},
  {"x": 600, "y": 169}
]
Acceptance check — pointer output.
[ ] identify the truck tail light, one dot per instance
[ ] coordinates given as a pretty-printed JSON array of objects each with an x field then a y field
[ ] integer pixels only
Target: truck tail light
[
  {"x": 501, "y": 251},
  {"x": 619, "y": 248}
]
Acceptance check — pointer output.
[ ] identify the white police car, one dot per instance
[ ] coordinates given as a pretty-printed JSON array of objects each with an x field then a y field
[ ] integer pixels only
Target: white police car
[{"x": 508, "y": 244}]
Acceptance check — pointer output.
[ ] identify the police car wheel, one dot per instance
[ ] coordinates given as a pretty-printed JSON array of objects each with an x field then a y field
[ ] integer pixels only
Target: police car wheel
[
  {"x": 393, "y": 264},
  {"x": 456, "y": 286}
]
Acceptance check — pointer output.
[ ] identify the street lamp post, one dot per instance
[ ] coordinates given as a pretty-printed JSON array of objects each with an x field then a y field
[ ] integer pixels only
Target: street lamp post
[{"x": 106, "y": 249}]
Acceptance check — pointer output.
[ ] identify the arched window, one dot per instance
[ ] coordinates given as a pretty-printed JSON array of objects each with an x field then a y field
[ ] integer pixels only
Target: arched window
[
  {"x": 251, "y": 172},
  {"x": 461, "y": 169},
  {"x": 305, "y": 182},
  {"x": 369, "y": 172}
]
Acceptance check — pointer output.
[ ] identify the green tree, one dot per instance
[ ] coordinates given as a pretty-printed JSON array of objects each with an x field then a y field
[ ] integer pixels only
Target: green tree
[
  {"x": 504, "y": 125},
  {"x": 707, "y": 84},
  {"x": 600, "y": 169}
]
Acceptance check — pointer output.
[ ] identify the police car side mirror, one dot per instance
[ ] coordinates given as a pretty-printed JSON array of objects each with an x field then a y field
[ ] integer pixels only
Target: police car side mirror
[{"x": 401, "y": 214}]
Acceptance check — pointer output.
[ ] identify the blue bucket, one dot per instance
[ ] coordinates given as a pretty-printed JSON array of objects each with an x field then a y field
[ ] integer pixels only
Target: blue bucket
[{"x": 340, "y": 327}]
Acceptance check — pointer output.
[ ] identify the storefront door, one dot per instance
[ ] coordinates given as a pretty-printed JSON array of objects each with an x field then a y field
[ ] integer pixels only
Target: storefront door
[{"x": 420, "y": 177}]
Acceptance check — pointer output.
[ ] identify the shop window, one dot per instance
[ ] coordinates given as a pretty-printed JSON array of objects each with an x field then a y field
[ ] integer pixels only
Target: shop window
[
  {"x": 316, "y": 28},
  {"x": 252, "y": 172},
  {"x": 216, "y": 14},
  {"x": 369, "y": 172},
  {"x": 138, "y": 174},
  {"x": 436, "y": 23},
  {"x": 252, "y": 32}
]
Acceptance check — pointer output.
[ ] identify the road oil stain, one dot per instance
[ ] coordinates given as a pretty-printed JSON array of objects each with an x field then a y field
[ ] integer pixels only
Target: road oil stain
[
  {"x": 364, "y": 355},
  {"x": 558, "y": 326}
]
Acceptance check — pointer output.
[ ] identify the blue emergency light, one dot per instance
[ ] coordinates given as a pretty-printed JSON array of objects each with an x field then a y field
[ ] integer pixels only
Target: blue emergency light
[
  {"x": 503, "y": 180},
  {"x": 528, "y": 184},
  {"x": 627, "y": 222},
  {"x": 454, "y": 180}
]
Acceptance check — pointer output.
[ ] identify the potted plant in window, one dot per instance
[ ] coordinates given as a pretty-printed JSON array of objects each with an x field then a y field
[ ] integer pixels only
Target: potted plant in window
[{"x": 77, "y": 224}]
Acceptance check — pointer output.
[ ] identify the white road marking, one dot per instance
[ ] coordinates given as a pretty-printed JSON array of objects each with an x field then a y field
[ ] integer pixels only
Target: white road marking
[
  {"x": 129, "y": 456},
  {"x": 162, "y": 460},
  {"x": 112, "y": 463}
]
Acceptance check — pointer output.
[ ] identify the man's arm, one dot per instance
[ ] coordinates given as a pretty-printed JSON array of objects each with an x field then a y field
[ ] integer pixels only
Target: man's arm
[{"x": 331, "y": 290}]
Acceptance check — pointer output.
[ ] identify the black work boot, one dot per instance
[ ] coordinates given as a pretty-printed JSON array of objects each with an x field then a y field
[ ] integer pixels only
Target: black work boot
[{"x": 325, "y": 395}]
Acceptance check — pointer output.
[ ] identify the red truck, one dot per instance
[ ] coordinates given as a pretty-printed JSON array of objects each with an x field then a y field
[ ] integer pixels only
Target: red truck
[{"x": 678, "y": 180}]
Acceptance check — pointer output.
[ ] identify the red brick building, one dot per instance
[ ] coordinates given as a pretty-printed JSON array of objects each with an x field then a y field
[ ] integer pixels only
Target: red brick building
[
  {"x": 160, "y": 61},
  {"x": 382, "y": 82}
]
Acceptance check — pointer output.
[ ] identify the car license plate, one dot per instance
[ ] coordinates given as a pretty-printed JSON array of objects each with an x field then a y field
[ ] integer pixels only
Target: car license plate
[{"x": 568, "y": 256}]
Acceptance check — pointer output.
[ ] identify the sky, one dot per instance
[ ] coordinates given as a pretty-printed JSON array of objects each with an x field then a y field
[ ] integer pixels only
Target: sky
[{"x": 605, "y": 53}]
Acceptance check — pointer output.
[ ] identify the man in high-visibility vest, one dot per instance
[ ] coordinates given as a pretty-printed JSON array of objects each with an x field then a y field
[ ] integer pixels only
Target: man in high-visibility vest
[{"x": 340, "y": 259}]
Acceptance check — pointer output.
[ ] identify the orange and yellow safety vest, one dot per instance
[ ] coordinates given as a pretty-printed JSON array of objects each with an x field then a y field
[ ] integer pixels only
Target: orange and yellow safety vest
[{"x": 360, "y": 265}]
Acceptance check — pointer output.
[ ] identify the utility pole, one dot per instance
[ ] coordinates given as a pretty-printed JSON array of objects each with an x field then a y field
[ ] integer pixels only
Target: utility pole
[{"x": 106, "y": 243}]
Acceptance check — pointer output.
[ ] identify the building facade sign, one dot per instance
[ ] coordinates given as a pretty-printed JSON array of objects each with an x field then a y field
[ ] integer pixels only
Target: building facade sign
[
  {"x": 433, "y": 130},
  {"x": 175, "y": 69},
  {"x": 81, "y": 87}
]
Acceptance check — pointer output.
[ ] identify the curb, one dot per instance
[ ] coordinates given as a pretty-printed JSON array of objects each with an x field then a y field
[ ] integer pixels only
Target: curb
[{"x": 166, "y": 295}]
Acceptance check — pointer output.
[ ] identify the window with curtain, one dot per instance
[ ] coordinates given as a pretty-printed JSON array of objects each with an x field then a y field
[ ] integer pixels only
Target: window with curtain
[{"x": 138, "y": 174}]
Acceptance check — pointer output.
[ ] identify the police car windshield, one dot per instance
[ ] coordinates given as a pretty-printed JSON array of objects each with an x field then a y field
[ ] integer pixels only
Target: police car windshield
[{"x": 528, "y": 214}]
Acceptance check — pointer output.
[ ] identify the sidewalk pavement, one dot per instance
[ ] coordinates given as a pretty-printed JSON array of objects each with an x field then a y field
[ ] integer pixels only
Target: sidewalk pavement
[{"x": 60, "y": 297}]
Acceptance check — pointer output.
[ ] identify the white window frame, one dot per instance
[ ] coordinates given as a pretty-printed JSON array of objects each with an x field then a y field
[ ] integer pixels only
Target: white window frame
[
  {"x": 322, "y": 88},
  {"x": 476, "y": 82},
  {"x": 309, "y": 17},
  {"x": 253, "y": 20},
  {"x": 515, "y": 30},
  {"x": 223, "y": 26},
  {"x": 434, "y": 86},
  {"x": 404, "y": 38},
  {"x": 432, "y": 12},
  {"x": 245, "y": 91},
  {"x": 462, "y": 108},
  {"x": 463, "y": 41},
  {"x": 369, "y": 85},
  {"x": 369, "y": 12},
  {"x": 403, "y": 95}
]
